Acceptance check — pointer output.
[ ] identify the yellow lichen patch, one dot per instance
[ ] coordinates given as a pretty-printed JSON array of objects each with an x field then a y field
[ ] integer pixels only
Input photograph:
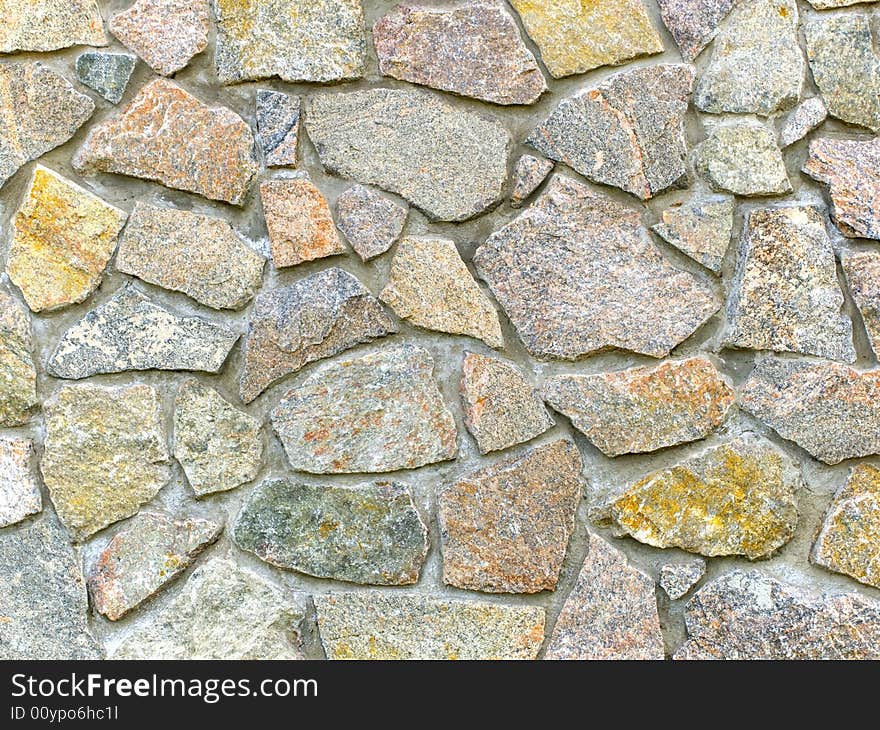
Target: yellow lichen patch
[{"x": 63, "y": 238}]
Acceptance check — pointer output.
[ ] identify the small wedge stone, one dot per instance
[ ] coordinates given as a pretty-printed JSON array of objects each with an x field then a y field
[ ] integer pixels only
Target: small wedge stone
[
  {"x": 701, "y": 228},
  {"x": 528, "y": 175},
  {"x": 743, "y": 159},
  {"x": 862, "y": 270},
  {"x": 371, "y": 222},
  {"x": 106, "y": 73},
  {"x": 693, "y": 23},
  {"x": 278, "y": 118},
  {"x": 677, "y": 578},
  {"x": 18, "y": 374},
  {"x": 49, "y": 25},
  {"x": 19, "y": 492},
  {"x": 804, "y": 119}
]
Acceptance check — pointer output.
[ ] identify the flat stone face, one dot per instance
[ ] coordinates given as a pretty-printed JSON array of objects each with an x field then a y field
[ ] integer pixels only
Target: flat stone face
[
  {"x": 105, "y": 454},
  {"x": 577, "y": 273},
  {"x": 610, "y": 614},
  {"x": 380, "y": 412},
  {"x": 804, "y": 119},
  {"x": 300, "y": 224},
  {"x": 847, "y": 541},
  {"x": 317, "y": 317},
  {"x": 19, "y": 491},
  {"x": 756, "y": 64},
  {"x": 378, "y": 625},
  {"x": 42, "y": 111},
  {"x": 700, "y": 227},
  {"x": 501, "y": 408},
  {"x": 430, "y": 286},
  {"x": 167, "y": 135},
  {"x": 199, "y": 255},
  {"x": 222, "y": 612},
  {"x": 743, "y": 158},
  {"x": 450, "y": 163},
  {"x": 368, "y": 533},
  {"x": 45, "y": 616},
  {"x": 218, "y": 446},
  {"x": 785, "y": 295},
  {"x": 749, "y": 615},
  {"x": 143, "y": 558},
  {"x": 106, "y": 73},
  {"x": 473, "y": 49},
  {"x": 575, "y": 36},
  {"x": 62, "y": 238},
  {"x": 830, "y": 410},
  {"x": 677, "y": 578},
  {"x": 862, "y": 270},
  {"x": 505, "y": 528},
  {"x": 693, "y": 23},
  {"x": 278, "y": 118},
  {"x": 739, "y": 498},
  {"x": 47, "y": 25},
  {"x": 129, "y": 332},
  {"x": 845, "y": 67},
  {"x": 646, "y": 408},
  {"x": 297, "y": 40},
  {"x": 849, "y": 168},
  {"x": 18, "y": 375},
  {"x": 627, "y": 132},
  {"x": 529, "y": 173},
  {"x": 165, "y": 33},
  {"x": 370, "y": 222}
]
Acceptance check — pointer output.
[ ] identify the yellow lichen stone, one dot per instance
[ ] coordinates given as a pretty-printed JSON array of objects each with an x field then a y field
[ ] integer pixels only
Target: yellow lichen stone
[
  {"x": 577, "y": 35},
  {"x": 63, "y": 236}
]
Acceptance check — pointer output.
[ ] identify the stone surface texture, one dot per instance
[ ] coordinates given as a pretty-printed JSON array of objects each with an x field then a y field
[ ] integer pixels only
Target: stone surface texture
[
  {"x": 529, "y": 173},
  {"x": 106, "y": 73},
  {"x": 700, "y": 227},
  {"x": 677, "y": 578},
  {"x": 804, "y": 119},
  {"x": 18, "y": 372},
  {"x": 19, "y": 492},
  {"x": 693, "y": 23},
  {"x": 371, "y": 222},
  {"x": 862, "y": 269},
  {"x": 278, "y": 121},
  {"x": 47, "y": 25},
  {"x": 742, "y": 158}
]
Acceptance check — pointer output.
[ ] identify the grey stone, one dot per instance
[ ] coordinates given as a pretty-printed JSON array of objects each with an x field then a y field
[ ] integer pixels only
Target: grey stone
[
  {"x": 48, "y": 25},
  {"x": 627, "y": 132},
  {"x": 317, "y": 317},
  {"x": 19, "y": 492},
  {"x": 370, "y": 222},
  {"x": 808, "y": 115},
  {"x": 529, "y": 173},
  {"x": 367, "y": 533},
  {"x": 862, "y": 270},
  {"x": 743, "y": 158},
  {"x": 678, "y": 577},
  {"x": 450, "y": 163},
  {"x": 577, "y": 273},
  {"x": 278, "y": 119},
  {"x": 18, "y": 374},
  {"x": 700, "y": 228},
  {"x": 129, "y": 332},
  {"x": 380, "y": 412},
  {"x": 106, "y": 73},
  {"x": 693, "y": 23}
]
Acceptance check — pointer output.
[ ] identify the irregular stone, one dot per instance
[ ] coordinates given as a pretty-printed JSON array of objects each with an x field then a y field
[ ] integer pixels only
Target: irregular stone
[
  {"x": 143, "y": 558},
  {"x": 739, "y": 498},
  {"x": 863, "y": 277},
  {"x": 611, "y": 613},
  {"x": 377, "y": 413},
  {"x": 44, "y": 605},
  {"x": 430, "y": 286},
  {"x": 679, "y": 577},
  {"x": 743, "y": 158},
  {"x": 501, "y": 408},
  {"x": 700, "y": 227},
  {"x": 105, "y": 454},
  {"x": 42, "y": 110},
  {"x": 199, "y": 255},
  {"x": 316, "y": 317},
  {"x": 300, "y": 224},
  {"x": 165, "y": 33},
  {"x": 376, "y": 625},
  {"x": 577, "y": 273},
  {"x": 167, "y": 135},
  {"x": 18, "y": 375},
  {"x": 645, "y": 408},
  {"x": 845, "y": 67},
  {"x": 849, "y": 168},
  {"x": 627, "y": 132},
  {"x": 757, "y": 65},
  {"x": 529, "y": 173},
  {"x": 804, "y": 119},
  {"x": 297, "y": 40},
  {"x": 785, "y": 295},
  {"x": 574, "y": 37},
  {"x": 473, "y": 49},
  {"x": 505, "y": 528},
  {"x": 48, "y": 25},
  {"x": 749, "y": 615},
  {"x": 278, "y": 118},
  {"x": 19, "y": 491},
  {"x": 693, "y": 23},
  {"x": 847, "y": 541},
  {"x": 826, "y": 4},
  {"x": 222, "y": 612},
  {"x": 830, "y": 410},
  {"x": 450, "y": 163},
  {"x": 106, "y": 73},
  {"x": 370, "y": 222},
  {"x": 368, "y": 533},
  {"x": 218, "y": 446},
  {"x": 62, "y": 239}
]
